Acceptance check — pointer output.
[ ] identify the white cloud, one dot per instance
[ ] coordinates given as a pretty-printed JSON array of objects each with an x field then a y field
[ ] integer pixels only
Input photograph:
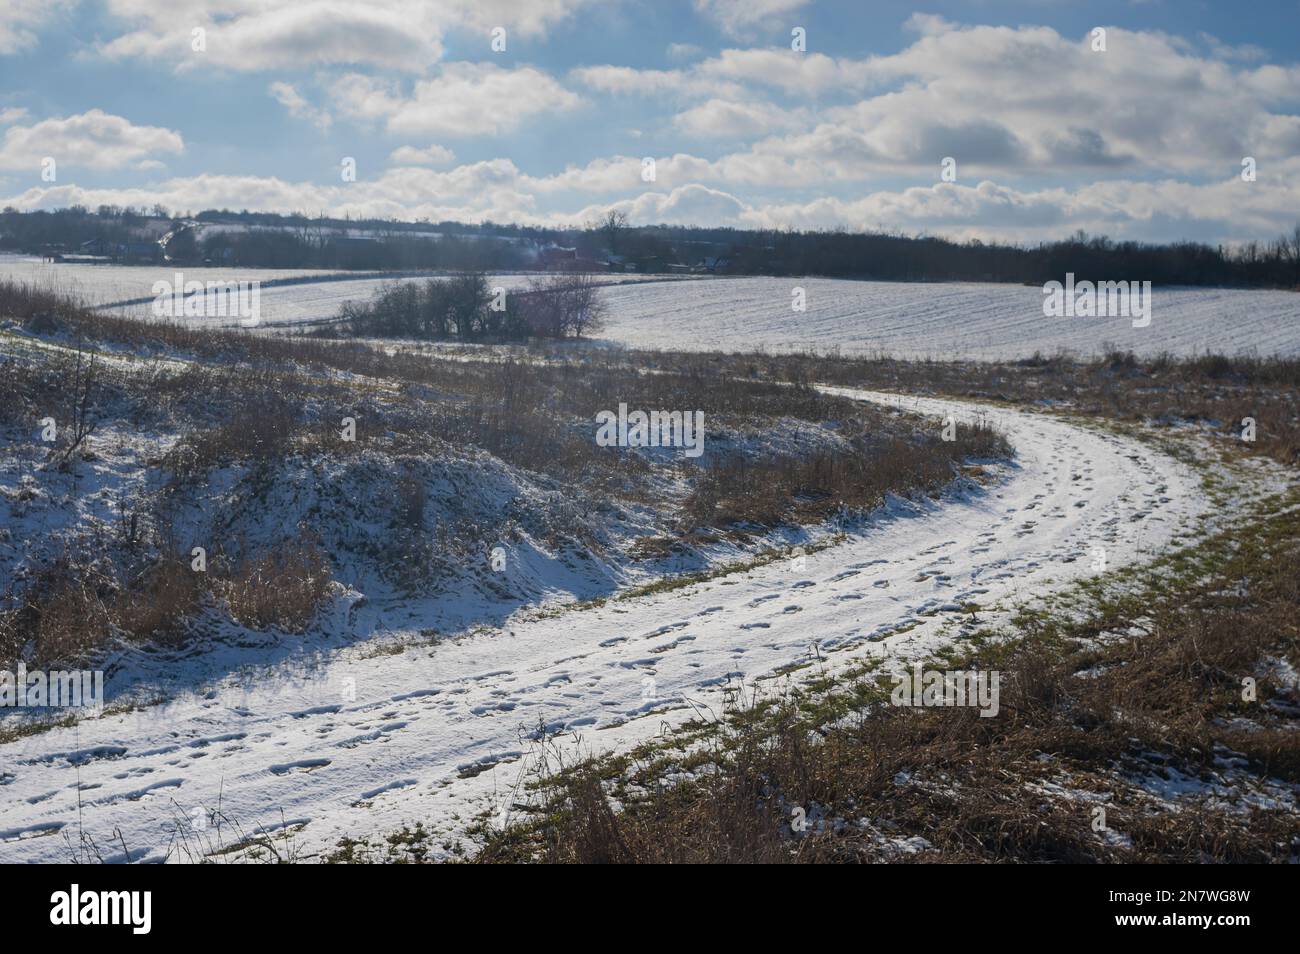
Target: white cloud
[
  {"x": 434, "y": 155},
  {"x": 467, "y": 193},
  {"x": 1023, "y": 99},
  {"x": 694, "y": 204},
  {"x": 20, "y": 20},
  {"x": 725, "y": 119},
  {"x": 623, "y": 174},
  {"x": 94, "y": 139},
  {"x": 253, "y": 35},
  {"x": 1227, "y": 209},
  {"x": 464, "y": 99},
  {"x": 288, "y": 96},
  {"x": 626, "y": 80},
  {"x": 741, "y": 18},
  {"x": 269, "y": 36},
  {"x": 806, "y": 74}
]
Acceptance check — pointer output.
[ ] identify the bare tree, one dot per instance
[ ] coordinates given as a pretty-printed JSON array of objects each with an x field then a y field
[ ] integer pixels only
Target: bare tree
[
  {"x": 81, "y": 393},
  {"x": 585, "y": 307},
  {"x": 611, "y": 226},
  {"x": 1291, "y": 249}
]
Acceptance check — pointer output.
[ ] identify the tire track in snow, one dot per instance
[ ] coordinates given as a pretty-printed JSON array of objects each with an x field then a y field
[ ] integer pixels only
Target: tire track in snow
[{"x": 438, "y": 733}]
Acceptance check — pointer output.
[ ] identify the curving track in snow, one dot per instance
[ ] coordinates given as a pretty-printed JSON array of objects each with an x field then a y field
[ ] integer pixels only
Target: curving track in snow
[{"x": 441, "y": 732}]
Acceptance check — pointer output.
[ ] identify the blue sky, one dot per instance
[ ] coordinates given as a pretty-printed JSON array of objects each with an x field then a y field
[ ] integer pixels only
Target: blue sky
[{"x": 1142, "y": 139}]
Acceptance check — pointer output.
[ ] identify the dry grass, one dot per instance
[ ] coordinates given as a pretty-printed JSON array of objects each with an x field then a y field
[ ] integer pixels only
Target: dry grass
[
  {"x": 75, "y": 606},
  {"x": 1212, "y": 390},
  {"x": 811, "y": 489},
  {"x": 1088, "y": 718},
  {"x": 282, "y": 586},
  {"x": 158, "y": 605}
]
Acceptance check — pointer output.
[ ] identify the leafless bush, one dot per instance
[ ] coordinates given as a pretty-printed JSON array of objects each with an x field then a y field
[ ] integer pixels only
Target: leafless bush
[{"x": 564, "y": 305}]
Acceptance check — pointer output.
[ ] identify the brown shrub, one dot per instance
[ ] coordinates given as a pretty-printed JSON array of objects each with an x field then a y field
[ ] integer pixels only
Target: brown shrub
[
  {"x": 161, "y": 602},
  {"x": 283, "y": 586}
]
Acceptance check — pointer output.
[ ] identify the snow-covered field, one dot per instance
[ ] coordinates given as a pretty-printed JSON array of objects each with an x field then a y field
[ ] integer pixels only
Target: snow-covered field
[
  {"x": 354, "y": 742},
  {"x": 310, "y": 302},
  {"x": 287, "y": 296},
  {"x": 981, "y": 321},
  {"x": 102, "y": 284},
  {"x": 908, "y": 320}
]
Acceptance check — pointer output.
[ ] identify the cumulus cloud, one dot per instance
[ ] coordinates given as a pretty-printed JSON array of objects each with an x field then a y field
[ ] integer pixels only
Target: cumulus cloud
[
  {"x": 728, "y": 119},
  {"x": 401, "y": 35},
  {"x": 21, "y": 20},
  {"x": 94, "y": 139},
  {"x": 269, "y": 36},
  {"x": 622, "y": 174},
  {"x": 1024, "y": 99},
  {"x": 288, "y": 96},
  {"x": 687, "y": 204},
  {"x": 1225, "y": 209},
  {"x": 742, "y": 18},
  {"x": 469, "y": 193},
  {"x": 434, "y": 155},
  {"x": 464, "y": 99}
]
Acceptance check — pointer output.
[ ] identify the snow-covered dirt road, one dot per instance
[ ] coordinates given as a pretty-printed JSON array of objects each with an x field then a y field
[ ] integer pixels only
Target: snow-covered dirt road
[{"x": 369, "y": 741}]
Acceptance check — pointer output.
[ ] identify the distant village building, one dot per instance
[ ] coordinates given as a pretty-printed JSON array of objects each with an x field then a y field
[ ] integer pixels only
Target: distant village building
[
  {"x": 102, "y": 251},
  {"x": 148, "y": 252},
  {"x": 711, "y": 265}
]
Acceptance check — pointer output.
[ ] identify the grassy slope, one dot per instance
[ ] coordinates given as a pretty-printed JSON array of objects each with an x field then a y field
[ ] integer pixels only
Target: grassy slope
[{"x": 1125, "y": 695}]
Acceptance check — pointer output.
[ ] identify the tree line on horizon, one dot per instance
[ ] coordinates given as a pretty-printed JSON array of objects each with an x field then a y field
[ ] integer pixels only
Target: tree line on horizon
[{"x": 297, "y": 241}]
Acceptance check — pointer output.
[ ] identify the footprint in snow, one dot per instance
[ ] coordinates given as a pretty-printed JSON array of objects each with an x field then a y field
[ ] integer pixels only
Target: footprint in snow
[{"x": 301, "y": 765}]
